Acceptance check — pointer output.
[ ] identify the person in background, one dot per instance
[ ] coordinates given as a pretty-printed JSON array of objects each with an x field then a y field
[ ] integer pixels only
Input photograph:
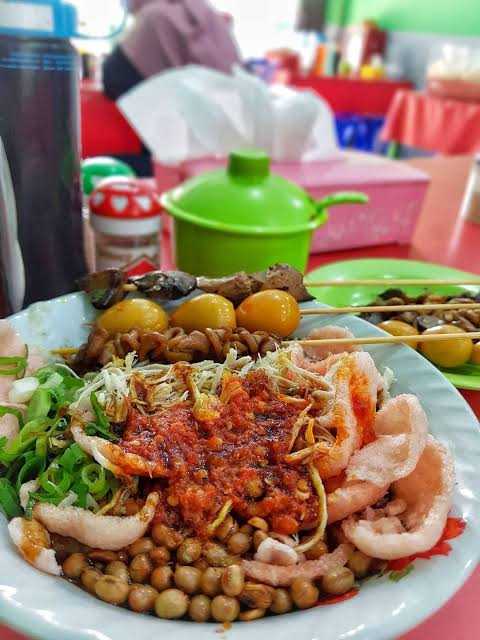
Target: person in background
[{"x": 168, "y": 34}]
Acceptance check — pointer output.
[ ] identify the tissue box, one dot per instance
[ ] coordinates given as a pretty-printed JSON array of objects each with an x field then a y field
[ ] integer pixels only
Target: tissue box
[{"x": 396, "y": 192}]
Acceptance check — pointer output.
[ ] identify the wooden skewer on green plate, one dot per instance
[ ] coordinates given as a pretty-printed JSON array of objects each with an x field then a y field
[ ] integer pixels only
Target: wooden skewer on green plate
[
  {"x": 397, "y": 282},
  {"x": 434, "y": 337},
  {"x": 327, "y": 311}
]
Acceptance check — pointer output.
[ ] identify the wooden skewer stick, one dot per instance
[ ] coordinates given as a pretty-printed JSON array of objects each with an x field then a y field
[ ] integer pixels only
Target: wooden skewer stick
[
  {"x": 433, "y": 337},
  {"x": 390, "y": 308},
  {"x": 130, "y": 287},
  {"x": 388, "y": 282}
]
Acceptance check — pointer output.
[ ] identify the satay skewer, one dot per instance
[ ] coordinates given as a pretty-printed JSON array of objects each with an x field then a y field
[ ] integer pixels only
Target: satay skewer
[
  {"x": 130, "y": 287},
  {"x": 394, "y": 308},
  {"x": 389, "y": 282},
  {"x": 434, "y": 337}
]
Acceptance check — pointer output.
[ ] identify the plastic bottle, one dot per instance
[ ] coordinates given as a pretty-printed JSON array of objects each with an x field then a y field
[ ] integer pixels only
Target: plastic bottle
[
  {"x": 94, "y": 170},
  {"x": 125, "y": 216}
]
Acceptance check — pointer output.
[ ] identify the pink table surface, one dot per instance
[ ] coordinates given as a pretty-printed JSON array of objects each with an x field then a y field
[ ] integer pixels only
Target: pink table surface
[
  {"x": 433, "y": 123},
  {"x": 440, "y": 237}
]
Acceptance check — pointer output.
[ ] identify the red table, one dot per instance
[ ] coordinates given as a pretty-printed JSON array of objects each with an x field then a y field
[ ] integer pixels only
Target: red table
[
  {"x": 348, "y": 95},
  {"x": 104, "y": 129},
  {"x": 432, "y": 123},
  {"x": 439, "y": 237}
]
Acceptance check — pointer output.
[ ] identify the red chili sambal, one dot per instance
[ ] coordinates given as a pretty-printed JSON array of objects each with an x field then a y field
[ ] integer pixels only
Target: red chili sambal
[{"x": 237, "y": 455}]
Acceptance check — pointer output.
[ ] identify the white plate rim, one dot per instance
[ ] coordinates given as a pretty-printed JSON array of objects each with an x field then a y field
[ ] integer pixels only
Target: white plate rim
[{"x": 22, "y": 606}]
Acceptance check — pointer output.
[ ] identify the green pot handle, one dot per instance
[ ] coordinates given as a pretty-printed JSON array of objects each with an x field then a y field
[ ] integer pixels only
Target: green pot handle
[{"x": 346, "y": 197}]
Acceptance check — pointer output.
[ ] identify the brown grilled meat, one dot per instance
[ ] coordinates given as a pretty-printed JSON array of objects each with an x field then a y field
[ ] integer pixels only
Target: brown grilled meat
[
  {"x": 105, "y": 288},
  {"x": 240, "y": 285}
]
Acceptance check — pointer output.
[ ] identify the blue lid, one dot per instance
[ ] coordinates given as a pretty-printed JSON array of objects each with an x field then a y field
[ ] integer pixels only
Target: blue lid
[
  {"x": 48, "y": 18},
  {"x": 43, "y": 18}
]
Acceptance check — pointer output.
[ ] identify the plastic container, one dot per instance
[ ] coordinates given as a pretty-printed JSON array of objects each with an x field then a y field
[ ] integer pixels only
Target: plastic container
[
  {"x": 358, "y": 131},
  {"x": 94, "y": 170},
  {"x": 125, "y": 216},
  {"x": 395, "y": 190},
  {"x": 244, "y": 218}
]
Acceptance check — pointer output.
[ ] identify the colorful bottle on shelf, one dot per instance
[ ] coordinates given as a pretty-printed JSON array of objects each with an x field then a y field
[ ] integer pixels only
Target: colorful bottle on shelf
[
  {"x": 125, "y": 217},
  {"x": 94, "y": 170}
]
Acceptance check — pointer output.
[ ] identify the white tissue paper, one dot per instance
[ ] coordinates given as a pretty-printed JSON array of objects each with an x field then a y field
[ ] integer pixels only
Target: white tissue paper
[{"x": 193, "y": 112}]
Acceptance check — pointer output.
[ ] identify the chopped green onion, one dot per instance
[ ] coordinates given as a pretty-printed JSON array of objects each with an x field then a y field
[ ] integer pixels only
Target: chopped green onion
[
  {"x": 72, "y": 458},
  {"x": 14, "y": 412},
  {"x": 45, "y": 373},
  {"x": 35, "y": 428},
  {"x": 61, "y": 382},
  {"x": 93, "y": 475},
  {"x": 30, "y": 504},
  {"x": 102, "y": 425},
  {"x": 55, "y": 480},
  {"x": 14, "y": 467},
  {"x": 52, "y": 381},
  {"x": 9, "y": 502},
  {"x": 99, "y": 414},
  {"x": 31, "y": 469},
  {"x": 41, "y": 447},
  {"x": 40, "y": 404},
  {"x": 396, "y": 576},
  {"x": 57, "y": 445},
  {"x": 81, "y": 490},
  {"x": 27, "y": 437},
  {"x": 92, "y": 503},
  {"x": 13, "y": 366},
  {"x": 110, "y": 485}
]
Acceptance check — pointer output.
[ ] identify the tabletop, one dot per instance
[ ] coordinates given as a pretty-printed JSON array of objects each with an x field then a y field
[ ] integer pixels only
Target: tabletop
[
  {"x": 440, "y": 237},
  {"x": 433, "y": 123}
]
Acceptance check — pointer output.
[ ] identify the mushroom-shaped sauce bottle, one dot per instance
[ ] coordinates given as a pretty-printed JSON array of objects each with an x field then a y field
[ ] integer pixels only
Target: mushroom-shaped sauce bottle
[{"x": 125, "y": 215}]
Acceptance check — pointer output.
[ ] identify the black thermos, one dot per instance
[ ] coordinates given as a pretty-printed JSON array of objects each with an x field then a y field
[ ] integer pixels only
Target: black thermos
[{"x": 40, "y": 128}]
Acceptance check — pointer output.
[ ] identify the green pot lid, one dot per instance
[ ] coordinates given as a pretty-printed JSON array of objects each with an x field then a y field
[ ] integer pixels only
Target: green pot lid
[
  {"x": 246, "y": 194},
  {"x": 96, "y": 169}
]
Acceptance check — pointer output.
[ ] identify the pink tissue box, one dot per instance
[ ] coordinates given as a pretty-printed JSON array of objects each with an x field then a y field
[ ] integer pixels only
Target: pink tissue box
[{"x": 395, "y": 190}]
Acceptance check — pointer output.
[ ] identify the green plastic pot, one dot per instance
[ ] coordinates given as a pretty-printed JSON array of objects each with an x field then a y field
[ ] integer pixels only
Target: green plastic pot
[{"x": 244, "y": 218}]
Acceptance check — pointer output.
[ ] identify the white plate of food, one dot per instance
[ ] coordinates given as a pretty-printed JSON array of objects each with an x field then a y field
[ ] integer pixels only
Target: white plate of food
[{"x": 386, "y": 605}]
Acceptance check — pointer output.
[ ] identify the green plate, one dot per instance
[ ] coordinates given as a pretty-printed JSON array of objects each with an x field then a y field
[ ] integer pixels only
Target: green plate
[{"x": 467, "y": 377}]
